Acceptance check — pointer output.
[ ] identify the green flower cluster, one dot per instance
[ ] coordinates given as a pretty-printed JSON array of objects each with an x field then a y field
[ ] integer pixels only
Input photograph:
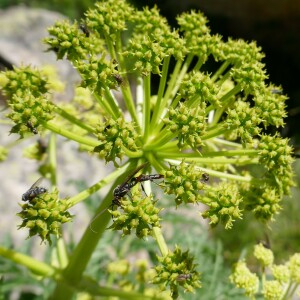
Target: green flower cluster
[
  {"x": 184, "y": 181},
  {"x": 264, "y": 255},
  {"x": 224, "y": 204},
  {"x": 188, "y": 124},
  {"x": 98, "y": 74},
  {"x": 29, "y": 100},
  {"x": 68, "y": 40},
  {"x": 140, "y": 215},
  {"x": 286, "y": 276},
  {"x": 243, "y": 278},
  {"x": 116, "y": 137},
  {"x": 44, "y": 214},
  {"x": 177, "y": 269},
  {"x": 29, "y": 112}
]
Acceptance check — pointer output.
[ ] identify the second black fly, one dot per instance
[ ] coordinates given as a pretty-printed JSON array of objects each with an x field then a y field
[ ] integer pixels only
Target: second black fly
[{"x": 34, "y": 191}]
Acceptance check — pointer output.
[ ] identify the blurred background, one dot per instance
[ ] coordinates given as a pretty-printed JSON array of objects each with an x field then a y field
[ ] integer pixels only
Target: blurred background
[{"x": 274, "y": 24}]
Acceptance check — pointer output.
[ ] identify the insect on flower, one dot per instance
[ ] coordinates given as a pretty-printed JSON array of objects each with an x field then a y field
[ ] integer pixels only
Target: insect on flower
[
  {"x": 32, "y": 129},
  {"x": 84, "y": 29},
  {"x": 183, "y": 277},
  {"x": 34, "y": 191},
  {"x": 205, "y": 177},
  {"x": 123, "y": 189}
]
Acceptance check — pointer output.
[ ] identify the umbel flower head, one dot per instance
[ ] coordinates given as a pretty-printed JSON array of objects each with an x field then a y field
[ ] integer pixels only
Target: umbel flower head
[{"x": 186, "y": 100}]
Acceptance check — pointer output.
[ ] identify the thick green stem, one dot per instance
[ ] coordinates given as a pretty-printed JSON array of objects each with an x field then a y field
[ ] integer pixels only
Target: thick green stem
[{"x": 87, "y": 244}]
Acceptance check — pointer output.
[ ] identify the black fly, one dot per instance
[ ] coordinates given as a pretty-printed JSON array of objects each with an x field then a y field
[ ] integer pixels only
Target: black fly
[
  {"x": 31, "y": 127},
  {"x": 34, "y": 191},
  {"x": 123, "y": 189},
  {"x": 84, "y": 29},
  {"x": 205, "y": 177}
]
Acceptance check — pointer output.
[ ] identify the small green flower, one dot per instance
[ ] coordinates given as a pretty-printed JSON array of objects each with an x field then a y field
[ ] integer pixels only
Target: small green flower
[
  {"x": 223, "y": 202},
  {"x": 188, "y": 124},
  {"x": 264, "y": 255},
  {"x": 98, "y": 74},
  {"x": 184, "y": 181},
  {"x": 44, "y": 214},
  {"x": 19, "y": 81},
  {"x": 29, "y": 112},
  {"x": 243, "y": 278},
  {"x": 272, "y": 290},
  {"x": 67, "y": 40},
  {"x": 177, "y": 269},
  {"x": 115, "y": 137}
]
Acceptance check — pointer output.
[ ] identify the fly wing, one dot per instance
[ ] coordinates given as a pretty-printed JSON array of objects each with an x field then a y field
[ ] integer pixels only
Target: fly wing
[{"x": 37, "y": 183}]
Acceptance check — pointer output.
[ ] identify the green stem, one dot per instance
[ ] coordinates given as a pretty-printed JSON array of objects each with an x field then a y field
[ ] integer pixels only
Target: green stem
[
  {"x": 161, "y": 89},
  {"x": 220, "y": 71},
  {"x": 52, "y": 158},
  {"x": 157, "y": 234},
  {"x": 61, "y": 247},
  {"x": 74, "y": 120},
  {"x": 223, "y": 175},
  {"x": 105, "y": 105},
  {"x": 164, "y": 137},
  {"x": 62, "y": 253},
  {"x": 112, "y": 103},
  {"x": 241, "y": 161},
  {"x": 71, "y": 135},
  {"x": 225, "y": 100},
  {"x": 35, "y": 266},
  {"x": 97, "y": 186},
  {"x": 125, "y": 88},
  {"x": 216, "y": 131},
  {"x": 146, "y": 106}
]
